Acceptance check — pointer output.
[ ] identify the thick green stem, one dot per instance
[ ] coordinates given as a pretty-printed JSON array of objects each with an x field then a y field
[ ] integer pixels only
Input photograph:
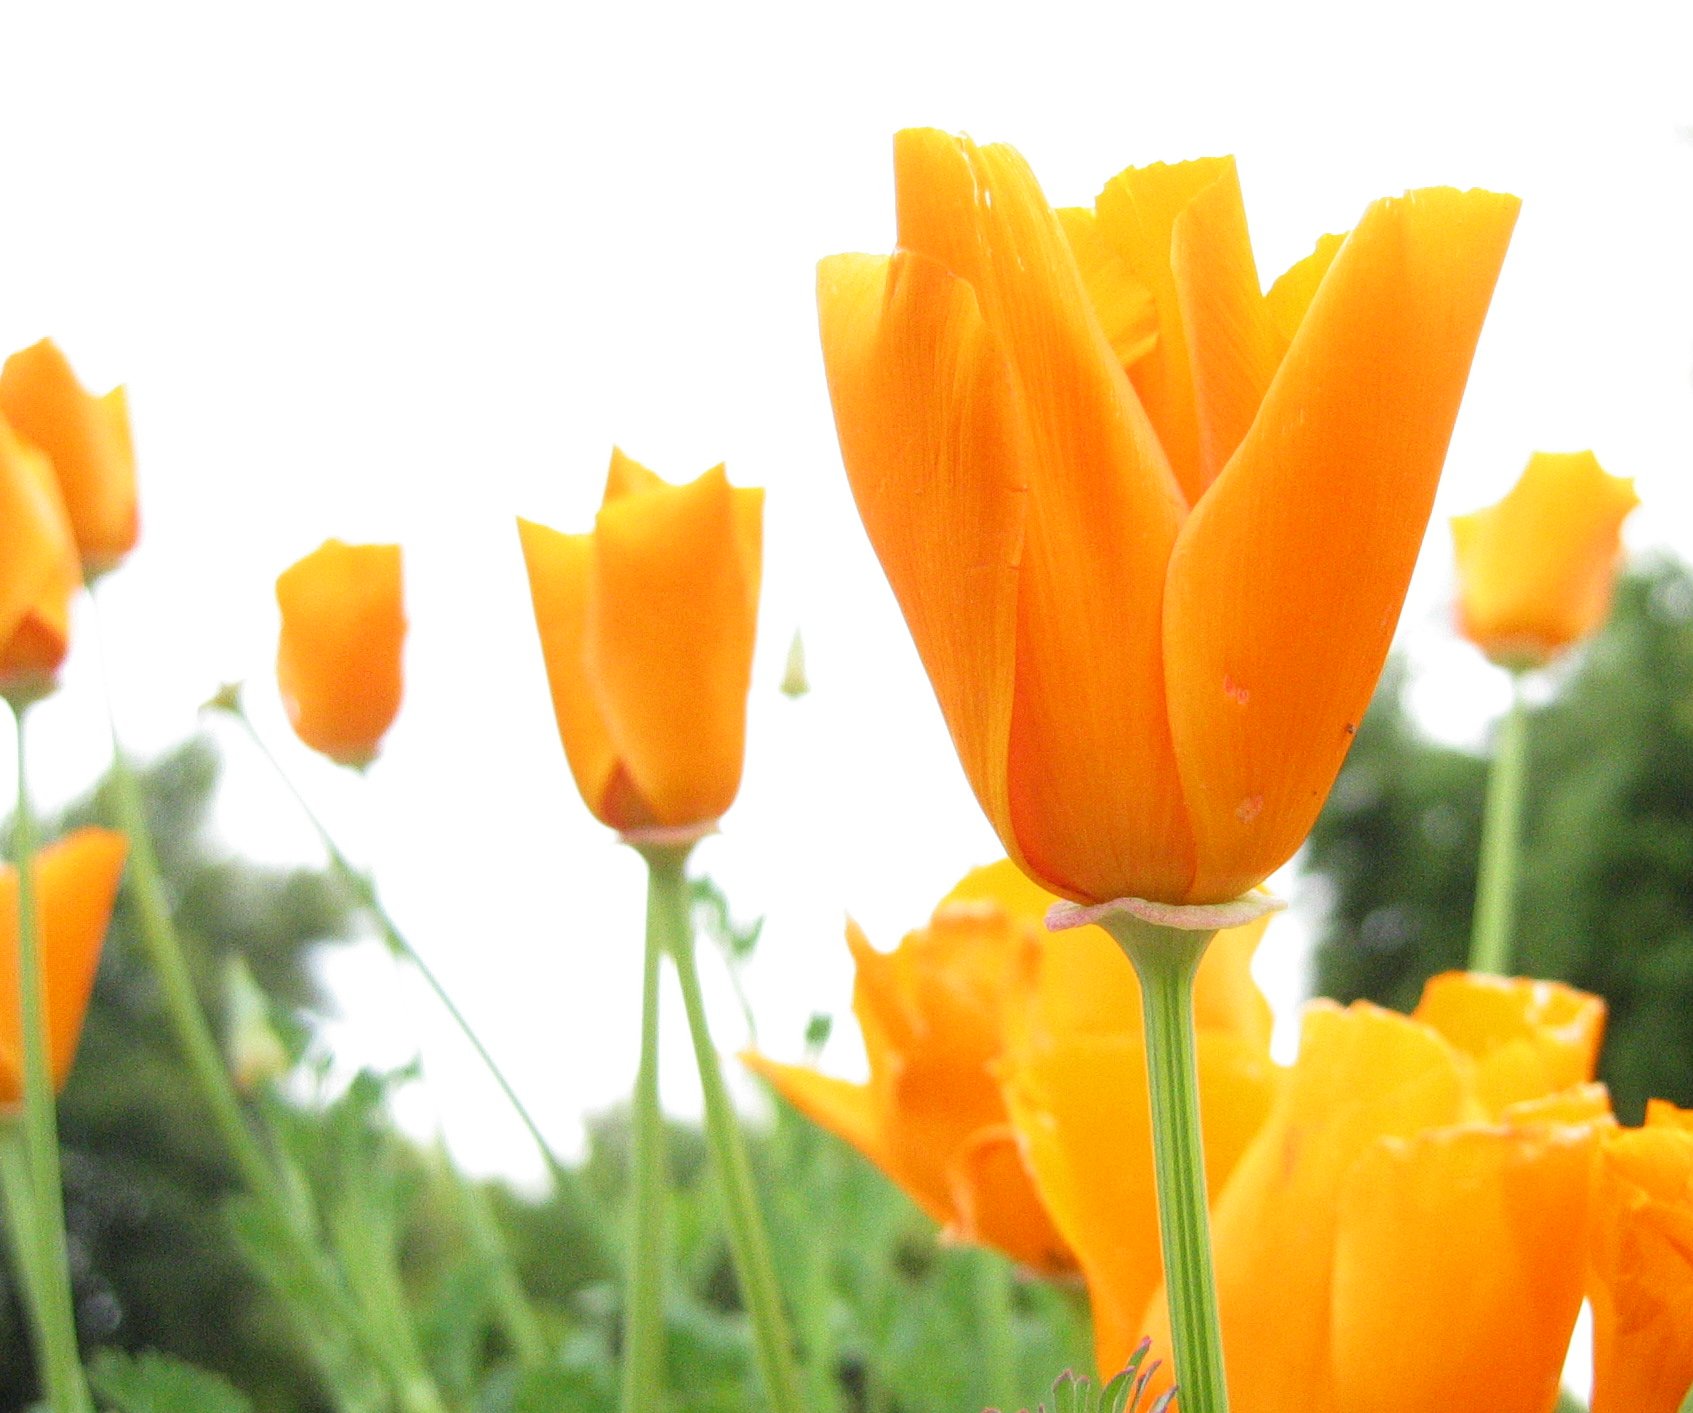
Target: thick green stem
[
  {"x": 1166, "y": 960},
  {"x": 748, "y": 1242},
  {"x": 643, "y": 1319},
  {"x": 1496, "y": 880},
  {"x": 55, "y": 1311}
]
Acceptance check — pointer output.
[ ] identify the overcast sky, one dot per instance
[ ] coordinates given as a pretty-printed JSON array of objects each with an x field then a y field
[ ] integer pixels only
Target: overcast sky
[{"x": 403, "y": 272}]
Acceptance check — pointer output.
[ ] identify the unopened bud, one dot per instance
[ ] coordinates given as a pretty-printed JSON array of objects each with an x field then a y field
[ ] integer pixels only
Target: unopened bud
[{"x": 255, "y": 1051}]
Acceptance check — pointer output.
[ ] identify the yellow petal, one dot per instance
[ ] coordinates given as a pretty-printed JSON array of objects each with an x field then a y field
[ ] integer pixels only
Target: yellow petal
[
  {"x": 88, "y": 441},
  {"x": 1362, "y": 1074},
  {"x": 1288, "y": 578},
  {"x": 847, "y": 1110},
  {"x": 672, "y": 609},
  {"x": 1528, "y": 1038},
  {"x": 1290, "y": 296},
  {"x": 338, "y": 656},
  {"x": 1535, "y": 571},
  {"x": 1123, "y": 305},
  {"x": 38, "y": 564},
  {"x": 1458, "y": 1269},
  {"x": 1080, "y": 1108},
  {"x": 1137, "y": 213},
  {"x": 628, "y": 477},
  {"x": 560, "y": 568},
  {"x": 996, "y": 1204},
  {"x": 77, "y": 883},
  {"x": 922, "y": 402},
  {"x": 1641, "y": 1267},
  {"x": 1233, "y": 344}
]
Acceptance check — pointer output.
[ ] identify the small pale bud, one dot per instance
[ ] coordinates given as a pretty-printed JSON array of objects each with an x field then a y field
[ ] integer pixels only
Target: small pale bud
[
  {"x": 255, "y": 1051},
  {"x": 794, "y": 683}
]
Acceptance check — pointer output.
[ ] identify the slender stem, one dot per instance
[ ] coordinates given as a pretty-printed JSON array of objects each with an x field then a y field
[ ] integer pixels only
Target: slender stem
[
  {"x": 1496, "y": 882},
  {"x": 748, "y": 1243},
  {"x": 522, "y": 1327},
  {"x": 1165, "y": 960},
  {"x": 365, "y": 892},
  {"x": 998, "y": 1331},
  {"x": 285, "y": 1214},
  {"x": 643, "y": 1319},
  {"x": 1569, "y": 1402},
  {"x": 67, "y": 1389}
]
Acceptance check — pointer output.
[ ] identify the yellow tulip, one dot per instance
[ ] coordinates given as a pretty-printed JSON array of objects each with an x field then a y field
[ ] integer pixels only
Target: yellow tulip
[
  {"x": 1404, "y": 1231},
  {"x": 338, "y": 659},
  {"x": 38, "y": 569},
  {"x": 1641, "y": 1266},
  {"x": 76, "y": 885},
  {"x": 1004, "y": 1095},
  {"x": 647, "y": 628},
  {"x": 87, "y": 439},
  {"x": 1152, "y": 602},
  {"x": 1536, "y": 570}
]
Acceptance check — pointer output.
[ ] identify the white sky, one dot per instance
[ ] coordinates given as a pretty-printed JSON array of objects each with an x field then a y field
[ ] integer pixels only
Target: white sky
[{"x": 405, "y": 271}]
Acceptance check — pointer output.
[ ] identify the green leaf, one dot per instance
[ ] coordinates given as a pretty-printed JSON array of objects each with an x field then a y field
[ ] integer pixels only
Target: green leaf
[{"x": 156, "y": 1383}]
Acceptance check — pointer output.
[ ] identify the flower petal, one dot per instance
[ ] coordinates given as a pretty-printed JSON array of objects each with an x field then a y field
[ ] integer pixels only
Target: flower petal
[
  {"x": 1233, "y": 344},
  {"x": 77, "y": 884},
  {"x": 1458, "y": 1269},
  {"x": 560, "y": 568},
  {"x": 672, "y": 609},
  {"x": 922, "y": 403},
  {"x": 996, "y": 1204},
  {"x": 1137, "y": 211},
  {"x": 1528, "y": 1038},
  {"x": 847, "y": 1110},
  {"x": 338, "y": 659},
  {"x": 1288, "y": 578}
]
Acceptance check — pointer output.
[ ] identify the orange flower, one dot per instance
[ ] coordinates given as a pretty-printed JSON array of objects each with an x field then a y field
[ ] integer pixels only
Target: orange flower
[
  {"x": 338, "y": 659},
  {"x": 967, "y": 1025},
  {"x": 76, "y": 885},
  {"x": 1641, "y": 1266},
  {"x": 1404, "y": 1232},
  {"x": 1153, "y": 600},
  {"x": 1535, "y": 571},
  {"x": 647, "y": 628},
  {"x": 87, "y": 439},
  {"x": 38, "y": 569}
]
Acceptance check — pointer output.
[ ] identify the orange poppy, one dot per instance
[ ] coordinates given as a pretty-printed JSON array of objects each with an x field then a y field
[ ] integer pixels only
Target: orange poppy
[
  {"x": 338, "y": 659},
  {"x": 38, "y": 569},
  {"x": 1150, "y": 527},
  {"x": 1536, "y": 570},
  {"x": 76, "y": 885},
  {"x": 1640, "y": 1271},
  {"x": 647, "y": 626},
  {"x": 994, "y": 1048},
  {"x": 87, "y": 439},
  {"x": 1404, "y": 1231}
]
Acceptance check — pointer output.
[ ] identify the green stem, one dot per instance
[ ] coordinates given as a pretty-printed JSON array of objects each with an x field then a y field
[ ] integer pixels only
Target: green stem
[
  {"x": 643, "y": 1319},
  {"x": 364, "y": 891},
  {"x": 19, "y": 1208},
  {"x": 1496, "y": 881},
  {"x": 55, "y": 1318},
  {"x": 522, "y": 1328},
  {"x": 998, "y": 1337},
  {"x": 1166, "y": 960},
  {"x": 748, "y": 1243},
  {"x": 284, "y": 1214}
]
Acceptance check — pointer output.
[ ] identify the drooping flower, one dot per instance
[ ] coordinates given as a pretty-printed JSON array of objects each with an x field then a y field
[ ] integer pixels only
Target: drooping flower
[
  {"x": 1640, "y": 1274},
  {"x": 87, "y": 439},
  {"x": 1536, "y": 570},
  {"x": 1405, "y": 1230},
  {"x": 338, "y": 659},
  {"x": 76, "y": 885},
  {"x": 38, "y": 569},
  {"x": 994, "y": 1048},
  {"x": 647, "y": 626},
  {"x": 1152, "y": 601}
]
